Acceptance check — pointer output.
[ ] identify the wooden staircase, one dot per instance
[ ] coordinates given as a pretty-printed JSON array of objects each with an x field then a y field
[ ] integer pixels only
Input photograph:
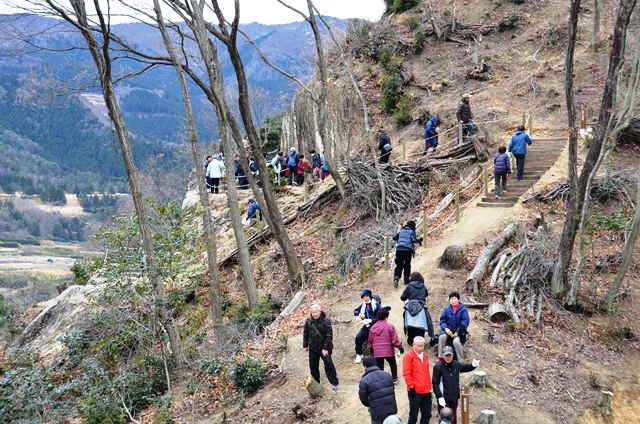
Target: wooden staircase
[{"x": 541, "y": 156}]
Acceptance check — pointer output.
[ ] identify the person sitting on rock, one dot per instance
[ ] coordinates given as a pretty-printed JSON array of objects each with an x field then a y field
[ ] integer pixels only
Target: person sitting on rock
[{"x": 453, "y": 322}]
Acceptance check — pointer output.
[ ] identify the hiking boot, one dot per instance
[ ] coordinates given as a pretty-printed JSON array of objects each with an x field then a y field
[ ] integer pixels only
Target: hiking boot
[
  {"x": 359, "y": 359},
  {"x": 395, "y": 283},
  {"x": 395, "y": 380},
  {"x": 497, "y": 197}
]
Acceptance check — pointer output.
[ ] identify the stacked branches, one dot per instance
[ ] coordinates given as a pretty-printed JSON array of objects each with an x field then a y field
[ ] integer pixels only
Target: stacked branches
[{"x": 605, "y": 187}]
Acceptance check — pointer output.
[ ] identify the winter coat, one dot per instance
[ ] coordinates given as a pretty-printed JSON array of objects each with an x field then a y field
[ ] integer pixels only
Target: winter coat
[
  {"x": 383, "y": 140},
  {"x": 415, "y": 315},
  {"x": 293, "y": 159},
  {"x": 314, "y": 341},
  {"x": 518, "y": 144},
  {"x": 446, "y": 379},
  {"x": 370, "y": 311},
  {"x": 377, "y": 392},
  {"x": 415, "y": 290},
  {"x": 253, "y": 166},
  {"x": 206, "y": 164},
  {"x": 316, "y": 161},
  {"x": 215, "y": 169},
  {"x": 430, "y": 133},
  {"x": 383, "y": 337},
  {"x": 406, "y": 238},
  {"x": 304, "y": 166},
  {"x": 278, "y": 160},
  {"x": 464, "y": 111},
  {"x": 457, "y": 322},
  {"x": 416, "y": 372},
  {"x": 253, "y": 210},
  {"x": 501, "y": 164},
  {"x": 324, "y": 166}
]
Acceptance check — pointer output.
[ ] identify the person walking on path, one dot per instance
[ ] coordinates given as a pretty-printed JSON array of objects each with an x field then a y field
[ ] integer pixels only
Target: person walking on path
[
  {"x": 377, "y": 392},
  {"x": 214, "y": 173},
  {"x": 292, "y": 163},
  {"x": 405, "y": 250},
  {"x": 501, "y": 170},
  {"x": 383, "y": 339},
  {"x": 316, "y": 162},
  {"x": 431, "y": 134},
  {"x": 384, "y": 145},
  {"x": 453, "y": 322},
  {"x": 465, "y": 116},
  {"x": 518, "y": 148},
  {"x": 304, "y": 167},
  {"x": 446, "y": 380},
  {"x": 317, "y": 339},
  {"x": 324, "y": 168},
  {"x": 417, "y": 319},
  {"x": 368, "y": 313},
  {"x": 415, "y": 369}
]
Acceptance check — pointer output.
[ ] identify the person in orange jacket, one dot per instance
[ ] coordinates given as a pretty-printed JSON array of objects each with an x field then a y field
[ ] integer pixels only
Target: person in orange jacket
[{"x": 415, "y": 369}]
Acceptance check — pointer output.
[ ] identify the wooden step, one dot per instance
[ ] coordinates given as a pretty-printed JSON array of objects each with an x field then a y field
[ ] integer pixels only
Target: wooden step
[
  {"x": 509, "y": 197},
  {"x": 496, "y": 205}
]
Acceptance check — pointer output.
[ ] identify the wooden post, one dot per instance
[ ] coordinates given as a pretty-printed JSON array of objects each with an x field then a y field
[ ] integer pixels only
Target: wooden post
[
  {"x": 523, "y": 118},
  {"x": 605, "y": 401},
  {"x": 486, "y": 182},
  {"x": 306, "y": 190},
  {"x": 531, "y": 124},
  {"x": 464, "y": 401},
  {"x": 386, "y": 253},
  {"x": 583, "y": 118},
  {"x": 459, "y": 133},
  {"x": 457, "y": 204},
  {"x": 404, "y": 150}
]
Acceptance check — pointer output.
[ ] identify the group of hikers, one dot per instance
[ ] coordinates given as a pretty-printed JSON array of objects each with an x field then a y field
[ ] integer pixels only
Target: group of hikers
[
  {"x": 377, "y": 388},
  {"x": 464, "y": 116}
]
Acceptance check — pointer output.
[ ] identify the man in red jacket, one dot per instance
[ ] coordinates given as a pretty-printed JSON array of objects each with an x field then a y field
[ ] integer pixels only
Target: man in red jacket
[{"x": 415, "y": 369}]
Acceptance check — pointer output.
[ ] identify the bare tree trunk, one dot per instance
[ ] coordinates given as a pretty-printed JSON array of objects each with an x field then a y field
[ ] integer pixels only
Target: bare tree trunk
[
  {"x": 365, "y": 114},
  {"x": 627, "y": 254},
  {"x": 596, "y": 25},
  {"x": 216, "y": 301},
  {"x": 565, "y": 248},
  {"x": 273, "y": 216},
  {"x": 102, "y": 59}
]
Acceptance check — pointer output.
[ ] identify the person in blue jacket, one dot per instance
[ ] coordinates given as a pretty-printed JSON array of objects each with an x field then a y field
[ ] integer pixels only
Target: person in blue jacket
[
  {"x": 453, "y": 323},
  {"x": 292, "y": 163},
  {"x": 431, "y": 134},
  {"x": 501, "y": 169},
  {"x": 518, "y": 147},
  {"x": 368, "y": 313},
  {"x": 405, "y": 250},
  {"x": 254, "y": 213}
]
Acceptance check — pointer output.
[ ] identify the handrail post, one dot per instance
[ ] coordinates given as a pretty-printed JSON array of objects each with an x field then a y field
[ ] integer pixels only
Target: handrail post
[
  {"x": 486, "y": 181},
  {"x": 386, "y": 252},
  {"x": 459, "y": 133},
  {"x": 457, "y": 204}
]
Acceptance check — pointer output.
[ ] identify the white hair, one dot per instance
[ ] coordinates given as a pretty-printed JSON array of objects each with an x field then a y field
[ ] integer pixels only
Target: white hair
[
  {"x": 315, "y": 306},
  {"x": 418, "y": 339}
]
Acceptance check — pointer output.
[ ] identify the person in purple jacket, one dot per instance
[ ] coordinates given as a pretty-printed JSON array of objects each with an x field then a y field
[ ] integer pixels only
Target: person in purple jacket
[{"x": 501, "y": 170}]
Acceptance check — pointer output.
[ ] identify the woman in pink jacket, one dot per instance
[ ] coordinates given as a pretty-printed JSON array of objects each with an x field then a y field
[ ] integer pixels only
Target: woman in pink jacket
[{"x": 383, "y": 338}]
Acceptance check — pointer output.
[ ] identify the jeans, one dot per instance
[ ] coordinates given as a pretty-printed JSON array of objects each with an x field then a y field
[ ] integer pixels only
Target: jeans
[
  {"x": 520, "y": 166},
  {"x": 499, "y": 184},
  {"x": 391, "y": 360},
  {"x": 329, "y": 368},
  {"x": 361, "y": 338},
  {"x": 403, "y": 263},
  {"x": 454, "y": 408},
  {"x": 422, "y": 404},
  {"x": 467, "y": 131}
]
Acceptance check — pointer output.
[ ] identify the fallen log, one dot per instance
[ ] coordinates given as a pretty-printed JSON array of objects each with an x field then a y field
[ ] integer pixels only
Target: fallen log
[
  {"x": 480, "y": 270},
  {"x": 314, "y": 388},
  {"x": 497, "y": 313},
  {"x": 496, "y": 271},
  {"x": 509, "y": 304}
]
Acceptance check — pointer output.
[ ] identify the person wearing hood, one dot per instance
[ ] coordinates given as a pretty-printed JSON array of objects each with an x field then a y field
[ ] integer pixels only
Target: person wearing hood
[
  {"x": 317, "y": 339},
  {"x": 292, "y": 163},
  {"x": 446, "y": 380},
  {"x": 431, "y": 134},
  {"x": 383, "y": 339},
  {"x": 405, "y": 250},
  {"x": 384, "y": 145},
  {"x": 518, "y": 147},
  {"x": 376, "y": 392},
  {"x": 417, "y": 318},
  {"x": 465, "y": 116},
  {"x": 453, "y": 322},
  {"x": 368, "y": 313}
]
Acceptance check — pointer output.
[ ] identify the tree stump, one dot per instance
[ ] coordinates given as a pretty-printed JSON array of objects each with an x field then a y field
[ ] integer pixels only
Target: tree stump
[
  {"x": 452, "y": 258},
  {"x": 486, "y": 416},
  {"x": 497, "y": 313},
  {"x": 480, "y": 379},
  {"x": 314, "y": 388},
  {"x": 605, "y": 402}
]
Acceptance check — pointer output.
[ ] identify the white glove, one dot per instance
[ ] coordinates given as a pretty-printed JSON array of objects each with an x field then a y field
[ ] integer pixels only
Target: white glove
[
  {"x": 442, "y": 402},
  {"x": 475, "y": 363}
]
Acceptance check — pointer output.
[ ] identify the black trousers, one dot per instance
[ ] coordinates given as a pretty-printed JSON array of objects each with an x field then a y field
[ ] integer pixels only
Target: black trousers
[
  {"x": 421, "y": 404},
  {"x": 293, "y": 174},
  {"x": 403, "y": 263},
  {"x": 215, "y": 182},
  {"x": 520, "y": 166},
  {"x": 361, "y": 338},
  {"x": 391, "y": 360},
  {"x": 329, "y": 368},
  {"x": 384, "y": 158}
]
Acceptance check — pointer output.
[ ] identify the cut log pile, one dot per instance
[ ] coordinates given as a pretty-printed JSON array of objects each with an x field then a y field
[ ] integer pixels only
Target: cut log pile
[{"x": 521, "y": 274}]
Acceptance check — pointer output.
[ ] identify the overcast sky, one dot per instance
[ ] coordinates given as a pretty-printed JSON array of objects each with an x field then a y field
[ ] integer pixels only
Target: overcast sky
[{"x": 270, "y": 11}]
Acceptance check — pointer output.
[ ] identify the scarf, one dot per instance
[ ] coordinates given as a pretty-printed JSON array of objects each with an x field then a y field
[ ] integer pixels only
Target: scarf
[{"x": 363, "y": 308}]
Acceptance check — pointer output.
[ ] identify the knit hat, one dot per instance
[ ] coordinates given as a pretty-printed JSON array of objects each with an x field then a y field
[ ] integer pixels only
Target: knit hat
[
  {"x": 366, "y": 292},
  {"x": 411, "y": 224}
]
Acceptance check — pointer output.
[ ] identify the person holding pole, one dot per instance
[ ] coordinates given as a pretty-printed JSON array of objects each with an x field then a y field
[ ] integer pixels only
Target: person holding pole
[{"x": 446, "y": 380}]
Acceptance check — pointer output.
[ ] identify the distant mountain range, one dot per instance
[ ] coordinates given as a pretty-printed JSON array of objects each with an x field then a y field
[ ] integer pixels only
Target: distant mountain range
[{"x": 72, "y": 133}]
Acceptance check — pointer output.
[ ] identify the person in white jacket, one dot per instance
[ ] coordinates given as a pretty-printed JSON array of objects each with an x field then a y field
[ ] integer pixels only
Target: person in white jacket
[{"x": 214, "y": 173}]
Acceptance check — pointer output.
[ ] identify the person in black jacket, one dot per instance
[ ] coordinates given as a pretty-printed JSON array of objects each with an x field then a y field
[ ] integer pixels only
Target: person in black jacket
[
  {"x": 384, "y": 145},
  {"x": 446, "y": 380},
  {"x": 465, "y": 116},
  {"x": 368, "y": 313},
  {"x": 317, "y": 339},
  {"x": 405, "y": 249},
  {"x": 377, "y": 392},
  {"x": 416, "y": 315}
]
